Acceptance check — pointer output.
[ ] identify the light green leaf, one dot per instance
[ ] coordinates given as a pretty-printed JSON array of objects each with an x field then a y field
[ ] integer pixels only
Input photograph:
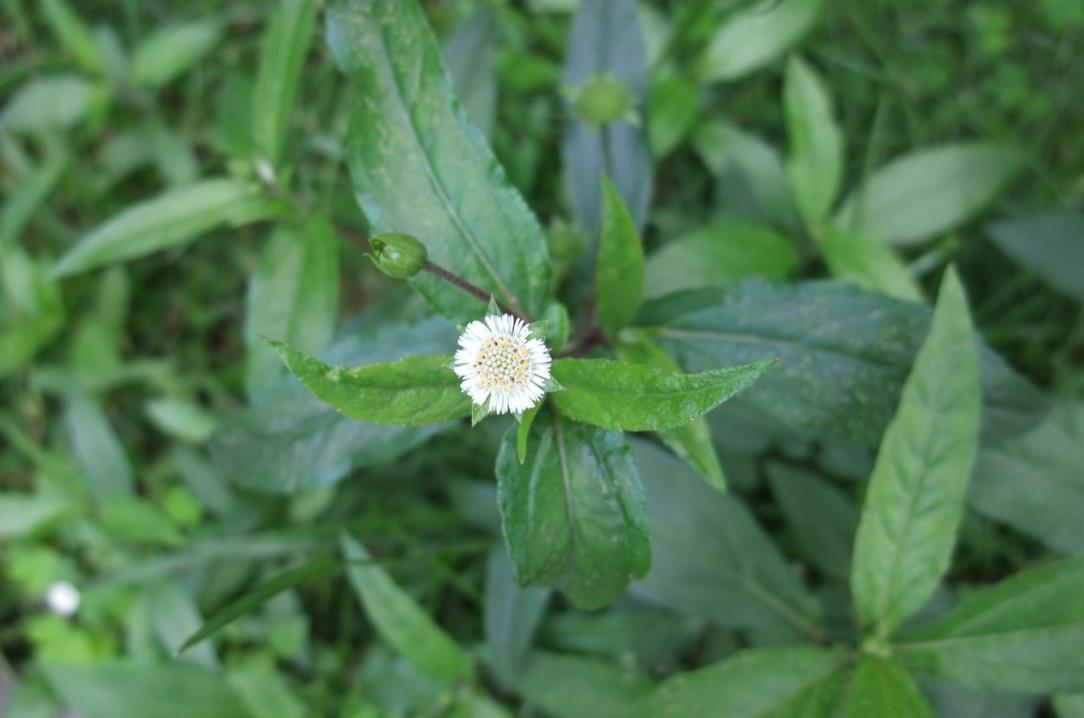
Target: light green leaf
[
  {"x": 619, "y": 273},
  {"x": 74, "y": 35},
  {"x": 173, "y": 690},
  {"x": 133, "y": 519},
  {"x": 400, "y": 620},
  {"x": 523, "y": 431},
  {"x": 511, "y": 615},
  {"x": 791, "y": 682},
  {"x": 264, "y": 689},
  {"x": 633, "y": 397},
  {"x": 470, "y": 53},
  {"x": 97, "y": 449},
  {"x": 868, "y": 263},
  {"x": 1070, "y": 705},
  {"x": 54, "y": 102},
  {"x": 815, "y": 165},
  {"x": 171, "y": 51},
  {"x": 672, "y": 111},
  {"x": 411, "y": 391},
  {"x": 293, "y": 296},
  {"x": 925, "y": 193},
  {"x": 22, "y": 514},
  {"x": 719, "y": 253},
  {"x": 411, "y": 152},
  {"x": 915, "y": 499},
  {"x": 573, "y": 514},
  {"x": 282, "y": 57},
  {"x": 881, "y": 689},
  {"x": 568, "y": 686},
  {"x": 175, "y": 615},
  {"x": 170, "y": 220},
  {"x": 756, "y": 36},
  {"x": 182, "y": 419},
  {"x": 1024, "y": 634}
]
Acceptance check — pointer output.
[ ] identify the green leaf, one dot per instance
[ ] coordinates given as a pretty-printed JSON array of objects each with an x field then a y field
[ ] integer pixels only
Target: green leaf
[
  {"x": 925, "y": 193},
  {"x": 170, "y": 220},
  {"x": 1050, "y": 245},
  {"x": 511, "y": 615},
  {"x": 173, "y": 690},
  {"x": 719, "y": 253},
  {"x": 633, "y": 397},
  {"x": 915, "y": 499},
  {"x": 259, "y": 595},
  {"x": 868, "y": 263},
  {"x": 98, "y": 451},
  {"x": 619, "y": 272},
  {"x": 53, "y": 102},
  {"x": 605, "y": 41},
  {"x": 523, "y": 431},
  {"x": 470, "y": 54},
  {"x": 710, "y": 558},
  {"x": 181, "y": 419},
  {"x": 32, "y": 312},
  {"x": 293, "y": 296},
  {"x": 881, "y": 689},
  {"x": 411, "y": 151},
  {"x": 74, "y": 35},
  {"x": 32, "y": 189},
  {"x": 573, "y": 514},
  {"x": 790, "y": 682},
  {"x": 400, "y": 620},
  {"x": 282, "y": 57},
  {"x": 692, "y": 442},
  {"x": 567, "y": 686},
  {"x": 673, "y": 107},
  {"x": 22, "y": 514},
  {"x": 844, "y": 354},
  {"x": 133, "y": 519},
  {"x": 411, "y": 391},
  {"x": 1034, "y": 483},
  {"x": 175, "y": 615},
  {"x": 1070, "y": 706},
  {"x": 815, "y": 166},
  {"x": 1024, "y": 634},
  {"x": 171, "y": 51},
  {"x": 264, "y": 689},
  {"x": 756, "y": 36}
]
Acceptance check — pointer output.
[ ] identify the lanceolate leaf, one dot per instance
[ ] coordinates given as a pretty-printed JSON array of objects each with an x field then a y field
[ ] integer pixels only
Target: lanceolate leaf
[
  {"x": 619, "y": 274},
  {"x": 285, "y": 44},
  {"x": 573, "y": 514},
  {"x": 411, "y": 391},
  {"x": 1024, "y": 634},
  {"x": 791, "y": 682},
  {"x": 915, "y": 498},
  {"x": 868, "y": 263},
  {"x": 169, "y": 52},
  {"x": 412, "y": 155},
  {"x": 634, "y": 397},
  {"x": 882, "y": 689},
  {"x": 399, "y": 619},
  {"x": 815, "y": 165},
  {"x": 170, "y": 220},
  {"x": 756, "y": 36},
  {"x": 844, "y": 354}
]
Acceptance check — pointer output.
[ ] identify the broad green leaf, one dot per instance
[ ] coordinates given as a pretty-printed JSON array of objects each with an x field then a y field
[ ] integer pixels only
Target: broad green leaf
[
  {"x": 412, "y": 153},
  {"x": 915, "y": 499},
  {"x": 470, "y": 53},
  {"x": 1034, "y": 483},
  {"x": 53, "y": 102},
  {"x": 175, "y": 616},
  {"x": 719, "y": 253},
  {"x": 410, "y": 392},
  {"x": 511, "y": 615},
  {"x": 1050, "y": 245},
  {"x": 634, "y": 397},
  {"x": 290, "y": 441},
  {"x": 882, "y": 689},
  {"x": 22, "y": 514},
  {"x": 264, "y": 690},
  {"x": 619, "y": 272},
  {"x": 843, "y": 355},
  {"x": 293, "y": 296},
  {"x": 1024, "y": 634},
  {"x": 822, "y": 518},
  {"x": 710, "y": 559},
  {"x": 73, "y": 35},
  {"x": 692, "y": 442},
  {"x": 170, "y": 220},
  {"x": 790, "y": 682},
  {"x": 98, "y": 451},
  {"x": 605, "y": 41},
  {"x": 868, "y": 263},
  {"x": 815, "y": 165},
  {"x": 920, "y": 195},
  {"x": 173, "y": 690},
  {"x": 756, "y": 36},
  {"x": 282, "y": 57},
  {"x": 171, "y": 51},
  {"x": 399, "y": 619},
  {"x": 672, "y": 112},
  {"x": 569, "y": 686},
  {"x": 1070, "y": 705},
  {"x": 573, "y": 514}
]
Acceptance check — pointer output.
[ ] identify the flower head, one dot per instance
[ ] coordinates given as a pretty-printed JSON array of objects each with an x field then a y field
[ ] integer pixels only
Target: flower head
[{"x": 499, "y": 360}]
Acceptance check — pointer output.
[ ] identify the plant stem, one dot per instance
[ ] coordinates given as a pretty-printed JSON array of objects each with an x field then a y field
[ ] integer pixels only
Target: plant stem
[{"x": 457, "y": 281}]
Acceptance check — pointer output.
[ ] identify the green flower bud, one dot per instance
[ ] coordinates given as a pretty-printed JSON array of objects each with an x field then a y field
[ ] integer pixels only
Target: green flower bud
[
  {"x": 398, "y": 255},
  {"x": 602, "y": 100}
]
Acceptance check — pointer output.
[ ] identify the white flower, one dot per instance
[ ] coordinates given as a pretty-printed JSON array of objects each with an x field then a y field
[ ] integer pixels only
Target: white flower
[
  {"x": 62, "y": 598},
  {"x": 498, "y": 360}
]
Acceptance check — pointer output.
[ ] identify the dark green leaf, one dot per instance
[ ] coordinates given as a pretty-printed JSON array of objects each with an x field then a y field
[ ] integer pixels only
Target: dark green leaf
[
  {"x": 915, "y": 499},
  {"x": 574, "y": 686},
  {"x": 1051, "y": 245},
  {"x": 512, "y": 615},
  {"x": 573, "y": 514},
  {"x": 619, "y": 272},
  {"x": 171, "y": 51},
  {"x": 756, "y": 36},
  {"x": 1070, "y": 705},
  {"x": 815, "y": 165},
  {"x": 470, "y": 54},
  {"x": 881, "y": 689},
  {"x": 411, "y": 152},
  {"x": 32, "y": 312}
]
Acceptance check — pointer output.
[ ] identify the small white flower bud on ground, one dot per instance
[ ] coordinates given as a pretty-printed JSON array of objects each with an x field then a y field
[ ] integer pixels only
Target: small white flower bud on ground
[
  {"x": 62, "y": 598},
  {"x": 499, "y": 360}
]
